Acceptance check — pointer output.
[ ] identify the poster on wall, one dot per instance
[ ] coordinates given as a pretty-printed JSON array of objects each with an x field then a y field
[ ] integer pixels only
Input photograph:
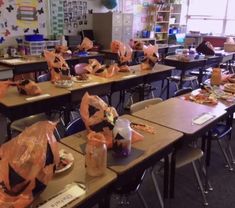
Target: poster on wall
[
  {"x": 57, "y": 17},
  {"x": 20, "y": 17},
  {"x": 26, "y": 13},
  {"x": 75, "y": 15}
]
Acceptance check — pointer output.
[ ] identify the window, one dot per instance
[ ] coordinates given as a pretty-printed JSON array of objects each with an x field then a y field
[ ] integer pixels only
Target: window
[
  {"x": 211, "y": 16},
  {"x": 207, "y": 8},
  {"x": 205, "y": 26}
]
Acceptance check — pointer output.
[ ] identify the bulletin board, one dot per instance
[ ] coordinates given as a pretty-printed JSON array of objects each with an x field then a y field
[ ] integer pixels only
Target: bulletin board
[
  {"x": 75, "y": 15},
  {"x": 19, "y": 17}
]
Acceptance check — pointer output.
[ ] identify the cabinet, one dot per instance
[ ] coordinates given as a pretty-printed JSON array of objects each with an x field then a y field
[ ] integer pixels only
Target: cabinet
[
  {"x": 163, "y": 19},
  {"x": 112, "y": 26}
]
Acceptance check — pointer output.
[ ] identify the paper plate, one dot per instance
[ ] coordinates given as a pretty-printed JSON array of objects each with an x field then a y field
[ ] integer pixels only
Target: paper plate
[
  {"x": 66, "y": 161},
  {"x": 80, "y": 81},
  {"x": 64, "y": 83}
]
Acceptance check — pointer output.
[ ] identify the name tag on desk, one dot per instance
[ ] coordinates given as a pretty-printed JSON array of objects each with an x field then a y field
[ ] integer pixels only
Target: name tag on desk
[
  {"x": 65, "y": 197},
  {"x": 129, "y": 76},
  {"x": 90, "y": 84},
  {"x": 203, "y": 118},
  {"x": 38, "y": 97}
]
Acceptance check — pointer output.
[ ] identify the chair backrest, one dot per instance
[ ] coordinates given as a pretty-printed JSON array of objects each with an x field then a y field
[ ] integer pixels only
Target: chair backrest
[
  {"x": 183, "y": 91},
  {"x": 144, "y": 104},
  {"x": 44, "y": 77},
  {"x": 79, "y": 68},
  {"x": 74, "y": 126}
]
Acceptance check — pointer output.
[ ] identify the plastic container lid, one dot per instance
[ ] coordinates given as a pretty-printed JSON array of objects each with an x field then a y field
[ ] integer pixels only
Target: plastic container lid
[{"x": 34, "y": 37}]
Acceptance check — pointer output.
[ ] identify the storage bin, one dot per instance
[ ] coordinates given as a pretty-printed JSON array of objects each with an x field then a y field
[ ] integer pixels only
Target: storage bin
[
  {"x": 145, "y": 34},
  {"x": 51, "y": 44},
  {"x": 34, "y": 37},
  {"x": 34, "y": 48}
]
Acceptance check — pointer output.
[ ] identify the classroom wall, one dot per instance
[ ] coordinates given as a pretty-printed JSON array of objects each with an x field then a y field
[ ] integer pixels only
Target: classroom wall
[{"x": 11, "y": 27}]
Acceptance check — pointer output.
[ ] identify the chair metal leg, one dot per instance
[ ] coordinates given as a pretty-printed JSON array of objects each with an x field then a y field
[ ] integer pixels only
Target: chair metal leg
[
  {"x": 156, "y": 186},
  {"x": 203, "y": 170},
  {"x": 199, "y": 183},
  {"x": 142, "y": 199},
  {"x": 231, "y": 152},
  {"x": 225, "y": 155}
]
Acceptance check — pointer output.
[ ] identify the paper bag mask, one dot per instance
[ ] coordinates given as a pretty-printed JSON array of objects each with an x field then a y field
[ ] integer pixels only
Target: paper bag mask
[
  {"x": 150, "y": 57},
  {"x": 27, "y": 165},
  {"x": 57, "y": 65},
  {"x": 98, "y": 116}
]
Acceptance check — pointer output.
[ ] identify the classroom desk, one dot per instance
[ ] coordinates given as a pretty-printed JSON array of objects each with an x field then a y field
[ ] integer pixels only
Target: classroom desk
[
  {"x": 178, "y": 114},
  {"x": 227, "y": 58},
  {"x": 163, "y": 49},
  {"x": 95, "y": 86},
  {"x": 15, "y": 106},
  {"x": 184, "y": 66},
  {"x": 127, "y": 80},
  {"x": 155, "y": 147},
  {"x": 96, "y": 187},
  {"x": 38, "y": 64}
]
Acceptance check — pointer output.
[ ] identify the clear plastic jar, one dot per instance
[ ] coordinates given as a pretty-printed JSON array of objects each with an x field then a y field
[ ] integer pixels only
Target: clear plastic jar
[
  {"x": 96, "y": 156},
  {"x": 122, "y": 137},
  {"x": 216, "y": 76}
]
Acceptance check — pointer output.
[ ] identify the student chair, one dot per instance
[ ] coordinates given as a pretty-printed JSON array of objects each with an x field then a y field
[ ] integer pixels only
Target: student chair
[
  {"x": 79, "y": 68},
  {"x": 20, "y": 124},
  {"x": 74, "y": 126},
  {"x": 137, "y": 107}
]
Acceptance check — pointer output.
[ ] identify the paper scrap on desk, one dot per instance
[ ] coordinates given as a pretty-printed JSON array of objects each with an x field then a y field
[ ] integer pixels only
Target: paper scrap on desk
[
  {"x": 203, "y": 118},
  {"x": 65, "y": 197},
  {"x": 90, "y": 84},
  {"x": 129, "y": 76},
  {"x": 38, "y": 97}
]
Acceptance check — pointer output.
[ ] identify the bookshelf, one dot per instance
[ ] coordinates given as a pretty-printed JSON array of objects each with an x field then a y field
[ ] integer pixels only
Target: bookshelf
[{"x": 163, "y": 19}]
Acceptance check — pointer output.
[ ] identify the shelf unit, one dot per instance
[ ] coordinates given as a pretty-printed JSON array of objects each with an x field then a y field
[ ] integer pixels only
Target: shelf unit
[
  {"x": 163, "y": 17},
  {"x": 175, "y": 15}
]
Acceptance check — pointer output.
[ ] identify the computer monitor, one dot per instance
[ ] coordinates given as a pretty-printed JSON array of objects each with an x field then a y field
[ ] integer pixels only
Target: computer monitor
[{"x": 180, "y": 38}]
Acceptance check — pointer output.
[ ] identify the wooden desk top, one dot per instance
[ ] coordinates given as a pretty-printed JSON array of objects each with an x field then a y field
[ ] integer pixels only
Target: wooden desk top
[
  {"x": 222, "y": 104},
  {"x": 93, "y": 80},
  {"x": 76, "y": 173},
  {"x": 177, "y": 114},
  {"x": 175, "y": 58},
  {"x": 151, "y": 144},
  {"x": 34, "y": 60},
  {"x": 13, "y": 98},
  {"x": 137, "y": 72}
]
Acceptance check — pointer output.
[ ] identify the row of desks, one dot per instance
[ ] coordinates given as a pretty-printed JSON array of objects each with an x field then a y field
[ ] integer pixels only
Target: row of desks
[
  {"x": 172, "y": 121},
  {"x": 163, "y": 49},
  {"x": 154, "y": 148},
  {"x": 15, "y": 106},
  {"x": 19, "y": 66},
  {"x": 200, "y": 64}
]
